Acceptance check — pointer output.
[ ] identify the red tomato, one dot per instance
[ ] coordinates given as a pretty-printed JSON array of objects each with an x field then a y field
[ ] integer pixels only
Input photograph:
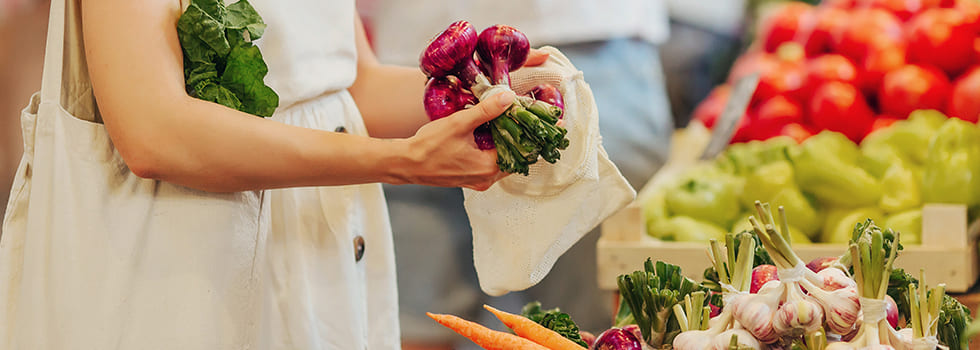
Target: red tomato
[
  {"x": 782, "y": 23},
  {"x": 775, "y": 113},
  {"x": 841, "y": 107},
  {"x": 868, "y": 29},
  {"x": 963, "y": 101},
  {"x": 913, "y": 87},
  {"x": 941, "y": 37},
  {"x": 776, "y": 76},
  {"x": 879, "y": 62},
  {"x": 829, "y": 67},
  {"x": 710, "y": 108},
  {"x": 883, "y": 121},
  {"x": 829, "y": 24},
  {"x": 797, "y": 131}
]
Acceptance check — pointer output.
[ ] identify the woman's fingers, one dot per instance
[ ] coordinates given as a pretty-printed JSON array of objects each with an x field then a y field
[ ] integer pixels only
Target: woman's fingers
[
  {"x": 487, "y": 109},
  {"x": 536, "y": 58}
]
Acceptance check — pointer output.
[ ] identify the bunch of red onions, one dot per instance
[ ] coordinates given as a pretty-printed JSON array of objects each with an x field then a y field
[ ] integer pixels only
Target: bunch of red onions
[{"x": 529, "y": 129}]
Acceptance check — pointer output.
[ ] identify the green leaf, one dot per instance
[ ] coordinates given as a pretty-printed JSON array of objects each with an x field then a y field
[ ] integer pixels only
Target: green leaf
[
  {"x": 201, "y": 73},
  {"x": 214, "y": 8},
  {"x": 198, "y": 30},
  {"x": 241, "y": 15},
  {"x": 243, "y": 76},
  {"x": 554, "y": 320},
  {"x": 220, "y": 95}
]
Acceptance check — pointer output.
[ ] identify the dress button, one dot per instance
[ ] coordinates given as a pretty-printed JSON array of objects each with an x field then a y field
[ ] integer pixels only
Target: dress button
[
  {"x": 358, "y": 248},
  {"x": 340, "y": 129}
]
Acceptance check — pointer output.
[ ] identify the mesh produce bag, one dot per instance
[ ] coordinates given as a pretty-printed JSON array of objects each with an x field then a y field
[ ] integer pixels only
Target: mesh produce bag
[{"x": 523, "y": 224}]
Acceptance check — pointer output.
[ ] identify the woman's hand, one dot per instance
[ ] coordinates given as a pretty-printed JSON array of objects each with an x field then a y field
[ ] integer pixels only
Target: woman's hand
[
  {"x": 443, "y": 152},
  {"x": 535, "y": 57}
]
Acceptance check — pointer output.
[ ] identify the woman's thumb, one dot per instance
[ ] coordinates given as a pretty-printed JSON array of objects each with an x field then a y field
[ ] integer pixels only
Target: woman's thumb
[{"x": 490, "y": 108}]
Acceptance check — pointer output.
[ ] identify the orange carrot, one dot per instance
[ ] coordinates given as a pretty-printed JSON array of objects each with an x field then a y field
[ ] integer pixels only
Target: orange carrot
[
  {"x": 485, "y": 337},
  {"x": 537, "y": 333}
]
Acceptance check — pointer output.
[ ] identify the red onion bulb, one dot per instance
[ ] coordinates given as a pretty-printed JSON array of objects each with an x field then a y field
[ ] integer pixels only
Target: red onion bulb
[
  {"x": 502, "y": 49},
  {"x": 444, "y": 96},
  {"x": 550, "y": 94},
  {"x": 447, "y": 50}
]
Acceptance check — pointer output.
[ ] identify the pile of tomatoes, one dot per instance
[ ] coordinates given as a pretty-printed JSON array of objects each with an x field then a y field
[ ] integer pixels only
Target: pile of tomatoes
[{"x": 854, "y": 66}]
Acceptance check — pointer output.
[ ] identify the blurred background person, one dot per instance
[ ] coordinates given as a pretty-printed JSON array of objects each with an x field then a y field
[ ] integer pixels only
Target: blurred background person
[{"x": 615, "y": 44}]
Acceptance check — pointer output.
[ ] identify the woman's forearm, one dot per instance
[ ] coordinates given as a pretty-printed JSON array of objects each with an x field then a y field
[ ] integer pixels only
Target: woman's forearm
[{"x": 231, "y": 151}]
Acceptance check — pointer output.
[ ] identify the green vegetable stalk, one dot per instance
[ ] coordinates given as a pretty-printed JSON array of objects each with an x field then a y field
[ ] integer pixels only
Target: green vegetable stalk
[
  {"x": 221, "y": 64},
  {"x": 524, "y": 132},
  {"x": 648, "y": 298},
  {"x": 952, "y": 169}
]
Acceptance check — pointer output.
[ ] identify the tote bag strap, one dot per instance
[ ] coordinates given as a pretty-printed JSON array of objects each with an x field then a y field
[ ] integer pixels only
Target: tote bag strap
[
  {"x": 54, "y": 54},
  {"x": 65, "y": 80}
]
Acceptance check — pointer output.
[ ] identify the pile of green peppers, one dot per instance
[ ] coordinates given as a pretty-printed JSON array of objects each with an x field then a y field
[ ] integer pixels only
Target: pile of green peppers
[{"x": 827, "y": 183}]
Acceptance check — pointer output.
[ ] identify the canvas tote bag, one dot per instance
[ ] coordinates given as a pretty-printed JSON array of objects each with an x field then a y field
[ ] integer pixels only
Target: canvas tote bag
[{"x": 94, "y": 257}]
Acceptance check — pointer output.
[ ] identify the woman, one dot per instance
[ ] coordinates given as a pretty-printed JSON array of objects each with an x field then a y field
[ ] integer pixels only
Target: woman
[{"x": 300, "y": 267}]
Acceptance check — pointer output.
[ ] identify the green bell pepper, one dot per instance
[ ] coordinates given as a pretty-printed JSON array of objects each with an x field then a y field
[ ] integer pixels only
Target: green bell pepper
[
  {"x": 775, "y": 183},
  {"x": 685, "y": 229},
  {"x": 900, "y": 188},
  {"x": 951, "y": 173},
  {"x": 878, "y": 158},
  {"x": 743, "y": 158},
  {"x": 655, "y": 207},
  {"x": 825, "y": 167},
  {"x": 909, "y": 138},
  {"x": 908, "y": 224},
  {"x": 835, "y": 143},
  {"x": 766, "y": 181},
  {"x": 840, "y": 222},
  {"x": 705, "y": 195}
]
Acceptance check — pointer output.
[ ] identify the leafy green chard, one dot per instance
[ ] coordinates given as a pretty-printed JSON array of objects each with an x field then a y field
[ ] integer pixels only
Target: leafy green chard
[
  {"x": 647, "y": 298},
  {"x": 221, "y": 64},
  {"x": 555, "y": 320}
]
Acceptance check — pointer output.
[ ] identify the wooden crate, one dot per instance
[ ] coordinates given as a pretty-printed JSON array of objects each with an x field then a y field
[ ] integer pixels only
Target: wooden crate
[{"x": 948, "y": 252}]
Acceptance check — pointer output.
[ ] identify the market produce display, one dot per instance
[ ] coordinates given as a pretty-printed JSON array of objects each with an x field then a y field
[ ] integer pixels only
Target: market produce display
[
  {"x": 529, "y": 129},
  {"x": 221, "y": 64},
  {"x": 857, "y": 300},
  {"x": 855, "y": 66},
  {"x": 827, "y": 182}
]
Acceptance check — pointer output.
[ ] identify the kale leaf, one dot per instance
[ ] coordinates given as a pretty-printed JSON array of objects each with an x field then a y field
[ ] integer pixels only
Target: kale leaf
[{"x": 221, "y": 64}]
